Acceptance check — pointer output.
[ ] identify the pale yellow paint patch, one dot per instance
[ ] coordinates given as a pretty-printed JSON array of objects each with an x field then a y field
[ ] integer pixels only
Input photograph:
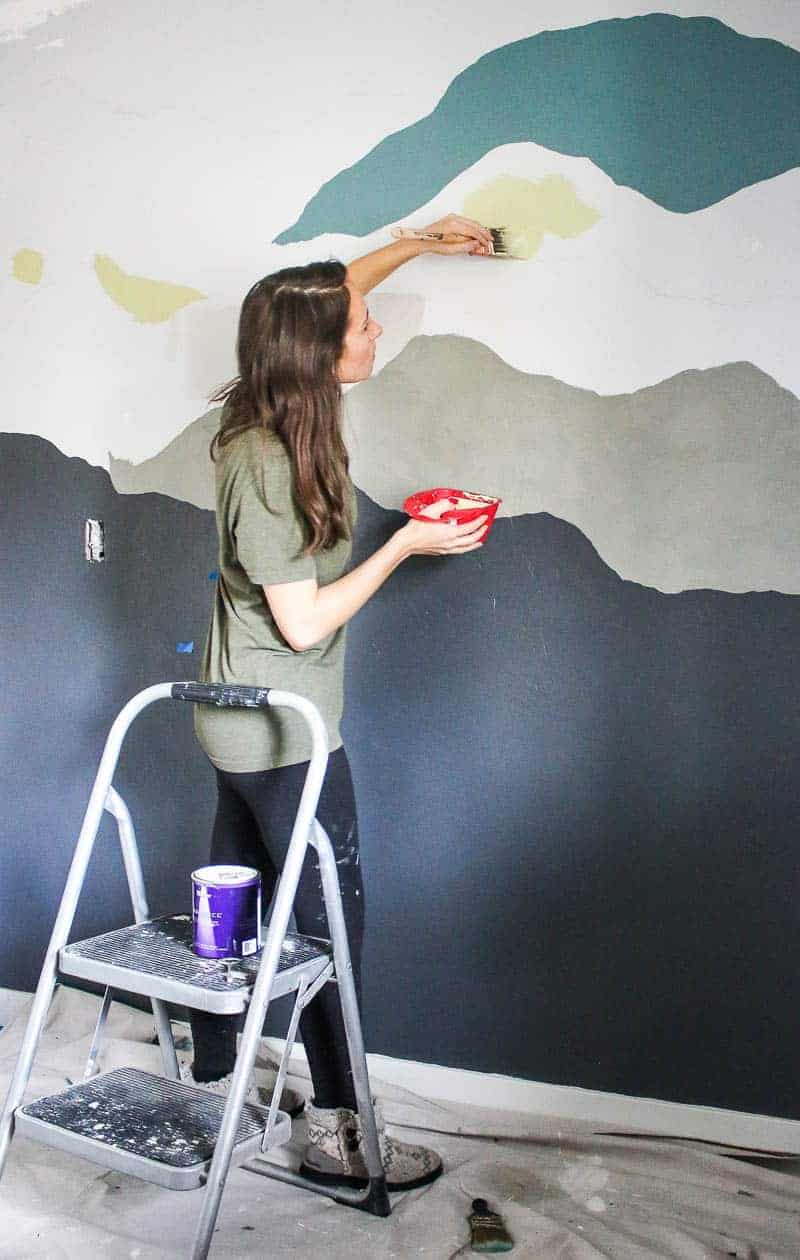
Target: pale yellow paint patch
[
  {"x": 28, "y": 266},
  {"x": 528, "y": 209},
  {"x": 149, "y": 301}
]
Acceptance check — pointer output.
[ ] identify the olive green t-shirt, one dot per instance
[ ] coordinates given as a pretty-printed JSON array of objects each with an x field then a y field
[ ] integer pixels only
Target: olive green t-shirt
[{"x": 261, "y": 541}]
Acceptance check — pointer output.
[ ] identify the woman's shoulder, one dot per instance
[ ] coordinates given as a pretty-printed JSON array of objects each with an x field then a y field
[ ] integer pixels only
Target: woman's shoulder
[
  {"x": 254, "y": 463},
  {"x": 254, "y": 449}
]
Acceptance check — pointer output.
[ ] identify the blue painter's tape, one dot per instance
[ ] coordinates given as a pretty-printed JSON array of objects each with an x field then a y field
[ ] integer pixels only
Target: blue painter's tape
[
  {"x": 186, "y": 647},
  {"x": 213, "y": 575}
]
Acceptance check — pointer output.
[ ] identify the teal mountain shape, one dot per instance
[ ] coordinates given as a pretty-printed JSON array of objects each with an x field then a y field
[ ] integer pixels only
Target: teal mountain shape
[{"x": 684, "y": 110}]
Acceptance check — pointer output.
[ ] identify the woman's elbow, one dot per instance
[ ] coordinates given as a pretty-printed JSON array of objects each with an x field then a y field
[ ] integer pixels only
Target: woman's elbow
[{"x": 299, "y": 638}]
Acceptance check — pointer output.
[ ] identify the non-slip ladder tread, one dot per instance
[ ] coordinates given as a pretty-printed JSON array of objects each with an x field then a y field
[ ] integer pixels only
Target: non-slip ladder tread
[
  {"x": 162, "y": 950},
  {"x": 138, "y": 1121}
]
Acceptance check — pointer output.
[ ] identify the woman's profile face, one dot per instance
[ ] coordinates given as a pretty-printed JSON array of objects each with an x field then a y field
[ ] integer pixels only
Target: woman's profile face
[{"x": 358, "y": 355}]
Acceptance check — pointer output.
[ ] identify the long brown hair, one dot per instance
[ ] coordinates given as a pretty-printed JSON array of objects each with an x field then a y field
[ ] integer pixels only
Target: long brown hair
[{"x": 291, "y": 334}]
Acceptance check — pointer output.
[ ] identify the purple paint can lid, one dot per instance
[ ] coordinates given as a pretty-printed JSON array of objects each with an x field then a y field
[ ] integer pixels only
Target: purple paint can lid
[{"x": 226, "y": 876}]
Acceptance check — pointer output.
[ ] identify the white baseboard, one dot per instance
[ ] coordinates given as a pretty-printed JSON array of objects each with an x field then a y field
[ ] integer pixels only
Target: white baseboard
[{"x": 619, "y": 1112}]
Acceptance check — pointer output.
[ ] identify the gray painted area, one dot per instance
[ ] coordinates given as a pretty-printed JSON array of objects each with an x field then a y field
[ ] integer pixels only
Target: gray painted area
[
  {"x": 690, "y": 483},
  {"x": 182, "y": 470},
  {"x": 578, "y": 797}
]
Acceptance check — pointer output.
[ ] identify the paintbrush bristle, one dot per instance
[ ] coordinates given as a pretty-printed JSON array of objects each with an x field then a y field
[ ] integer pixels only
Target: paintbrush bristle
[{"x": 499, "y": 240}]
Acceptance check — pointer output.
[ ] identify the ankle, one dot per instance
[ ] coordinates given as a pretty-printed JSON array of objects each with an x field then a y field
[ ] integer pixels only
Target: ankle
[
  {"x": 349, "y": 1104},
  {"x": 205, "y": 1076}
]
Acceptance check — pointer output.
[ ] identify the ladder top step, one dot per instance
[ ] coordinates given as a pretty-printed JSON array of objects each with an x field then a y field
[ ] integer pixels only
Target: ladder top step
[
  {"x": 160, "y": 1130},
  {"x": 156, "y": 958}
]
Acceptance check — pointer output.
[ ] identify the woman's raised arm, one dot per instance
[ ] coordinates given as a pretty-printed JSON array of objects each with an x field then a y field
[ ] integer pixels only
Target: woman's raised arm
[{"x": 368, "y": 271}]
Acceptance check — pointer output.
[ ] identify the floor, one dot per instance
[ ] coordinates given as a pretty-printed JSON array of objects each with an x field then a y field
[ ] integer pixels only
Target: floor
[{"x": 565, "y": 1192}]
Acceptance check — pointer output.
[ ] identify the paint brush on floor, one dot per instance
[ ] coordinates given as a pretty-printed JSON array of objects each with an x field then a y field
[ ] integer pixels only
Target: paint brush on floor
[
  {"x": 488, "y": 1233},
  {"x": 499, "y": 239}
]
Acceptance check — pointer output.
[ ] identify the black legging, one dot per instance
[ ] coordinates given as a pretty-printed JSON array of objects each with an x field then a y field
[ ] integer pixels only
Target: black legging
[{"x": 255, "y": 815}]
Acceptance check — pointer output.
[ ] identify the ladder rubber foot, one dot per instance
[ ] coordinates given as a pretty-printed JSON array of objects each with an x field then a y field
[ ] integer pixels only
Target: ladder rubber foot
[{"x": 376, "y": 1200}]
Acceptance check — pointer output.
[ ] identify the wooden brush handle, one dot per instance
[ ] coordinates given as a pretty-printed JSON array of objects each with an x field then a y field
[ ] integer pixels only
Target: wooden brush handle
[{"x": 413, "y": 234}]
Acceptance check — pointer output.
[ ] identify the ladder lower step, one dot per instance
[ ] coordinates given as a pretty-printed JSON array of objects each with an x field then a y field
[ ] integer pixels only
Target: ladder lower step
[
  {"x": 135, "y": 1122},
  {"x": 156, "y": 959}
]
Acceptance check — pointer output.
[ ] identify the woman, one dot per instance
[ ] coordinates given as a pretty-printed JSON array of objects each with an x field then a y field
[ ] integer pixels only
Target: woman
[{"x": 285, "y": 515}]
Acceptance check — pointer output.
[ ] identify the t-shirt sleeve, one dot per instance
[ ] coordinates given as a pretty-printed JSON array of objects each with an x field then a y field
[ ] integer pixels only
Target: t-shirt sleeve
[{"x": 267, "y": 529}]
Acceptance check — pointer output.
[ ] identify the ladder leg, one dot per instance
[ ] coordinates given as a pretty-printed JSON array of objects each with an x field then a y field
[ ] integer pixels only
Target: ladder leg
[
  {"x": 58, "y": 938},
  {"x": 251, "y": 1034},
  {"x": 291, "y": 1033},
  {"x": 166, "y": 1041},
  {"x": 305, "y": 994},
  {"x": 378, "y": 1199},
  {"x": 22, "y": 1071},
  {"x": 66, "y": 909},
  {"x": 259, "y": 999},
  {"x": 133, "y": 873},
  {"x": 99, "y": 1032},
  {"x": 245, "y": 1061}
]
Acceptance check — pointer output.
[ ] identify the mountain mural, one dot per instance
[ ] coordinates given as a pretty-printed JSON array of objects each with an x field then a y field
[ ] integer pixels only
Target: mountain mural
[
  {"x": 691, "y": 483},
  {"x": 673, "y": 107}
]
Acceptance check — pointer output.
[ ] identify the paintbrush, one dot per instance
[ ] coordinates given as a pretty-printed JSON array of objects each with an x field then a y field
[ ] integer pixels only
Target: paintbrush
[
  {"x": 488, "y": 1232},
  {"x": 499, "y": 239}
]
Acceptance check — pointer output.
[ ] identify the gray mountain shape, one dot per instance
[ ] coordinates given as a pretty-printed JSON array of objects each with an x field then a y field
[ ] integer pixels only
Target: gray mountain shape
[
  {"x": 182, "y": 470},
  {"x": 689, "y": 483}
]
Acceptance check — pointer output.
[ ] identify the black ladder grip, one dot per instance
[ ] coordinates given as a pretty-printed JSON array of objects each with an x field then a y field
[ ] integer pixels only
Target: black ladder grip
[{"x": 223, "y": 695}]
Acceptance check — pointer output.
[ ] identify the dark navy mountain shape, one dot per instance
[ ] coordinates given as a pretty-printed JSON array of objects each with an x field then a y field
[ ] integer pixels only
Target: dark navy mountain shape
[
  {"x": 578, "y": 797},
  {"x": 684, "y": 110}
]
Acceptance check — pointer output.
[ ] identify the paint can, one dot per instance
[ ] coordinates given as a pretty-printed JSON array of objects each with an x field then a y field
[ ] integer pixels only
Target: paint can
[{"x": 226, "y": 911}]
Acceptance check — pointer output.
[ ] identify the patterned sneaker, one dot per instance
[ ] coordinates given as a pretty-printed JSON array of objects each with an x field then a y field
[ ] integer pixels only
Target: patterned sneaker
[
  {"x": 333, "y": 1155},
  {"x": 260, "y": 1094}
]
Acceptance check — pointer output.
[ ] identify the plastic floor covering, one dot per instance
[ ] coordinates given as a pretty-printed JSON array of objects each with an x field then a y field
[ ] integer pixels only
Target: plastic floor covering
[{"x": 565, "y": 1192}]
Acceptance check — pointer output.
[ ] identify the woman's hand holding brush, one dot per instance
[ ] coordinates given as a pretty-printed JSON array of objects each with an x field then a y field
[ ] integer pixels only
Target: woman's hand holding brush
[
  {"x": 451, "y": 235},
  {"x": 456, "y": 235}
]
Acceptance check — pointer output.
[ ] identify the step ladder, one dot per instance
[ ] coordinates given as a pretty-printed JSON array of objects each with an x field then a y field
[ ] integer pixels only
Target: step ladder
[{"x": 157, "y": 1127}]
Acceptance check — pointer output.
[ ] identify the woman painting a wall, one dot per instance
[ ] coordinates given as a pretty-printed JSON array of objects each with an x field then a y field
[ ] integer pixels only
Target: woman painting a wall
[
  {"x": 285, "y": 516},
  {"x": 591, "y": 720}
]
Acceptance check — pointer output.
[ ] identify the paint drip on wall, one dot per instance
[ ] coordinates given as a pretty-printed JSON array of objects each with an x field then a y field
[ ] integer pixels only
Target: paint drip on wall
[
  {"x": 149, "y": 301},
  {"x": 528, "y": 209}
]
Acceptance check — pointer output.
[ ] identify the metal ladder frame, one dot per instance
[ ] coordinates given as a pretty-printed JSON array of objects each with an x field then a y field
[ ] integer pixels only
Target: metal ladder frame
[{"x": 306, "y": 831}]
